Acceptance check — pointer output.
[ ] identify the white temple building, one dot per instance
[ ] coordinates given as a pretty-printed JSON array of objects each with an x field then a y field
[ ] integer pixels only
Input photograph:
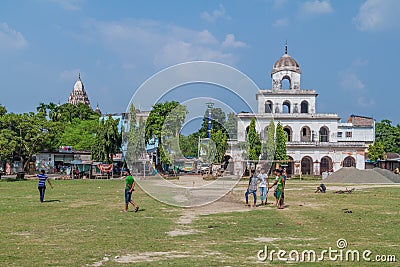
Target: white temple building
[
  {"x": 316, "y": 142},
  {"x": 78, "y": 94}
]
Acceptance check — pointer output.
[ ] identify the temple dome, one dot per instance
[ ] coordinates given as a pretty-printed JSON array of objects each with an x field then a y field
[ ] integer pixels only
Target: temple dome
[
  {"x": 78, "y": 94},
  {"x": 286, "y": 63},
  {"x": 79, "y": 84}
]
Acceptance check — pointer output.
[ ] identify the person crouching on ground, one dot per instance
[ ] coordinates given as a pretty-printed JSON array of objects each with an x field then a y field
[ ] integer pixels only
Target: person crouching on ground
[
  {"x": 280, "y": 189},
  {"x": 129, "y": 188},
  {"x": 321, "y": 188},
  {"x": 42, "y": 184},
  {"x": 252, "y": 188}
]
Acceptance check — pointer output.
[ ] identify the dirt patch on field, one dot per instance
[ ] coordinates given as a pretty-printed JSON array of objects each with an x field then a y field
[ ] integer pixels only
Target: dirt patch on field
[
  {"x": 229, "y": 203},
  {"x": 152, "y": 256},
  {"x": 272, "y": 239}
]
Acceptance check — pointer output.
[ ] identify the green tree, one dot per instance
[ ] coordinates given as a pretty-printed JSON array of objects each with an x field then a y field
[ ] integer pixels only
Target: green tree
[
  {"x": 30, "y": 132},
  {"x": 231, "y": 126},
  {"x": 280, "y": 152},
  {"x": 54, "y": 112},
  {"x": 388, "y": 136},
  {"x": 107, "y": 141},
  {"x": 253, "y": 141},
  {"x": 268, "y": 148},
  {"x": 3, "y": 110},
  {"x": 8, "y": 144},
  {"x": 161, "y": 127},
  {"x": 135, "y": 137},
  {"x": 220, "y": 139},
  {"x": 376, "y": 151},
  {"x": 80, "y": 134},
  {"x": 42, "y": 108},
  {"x": 189, "y": 144}
]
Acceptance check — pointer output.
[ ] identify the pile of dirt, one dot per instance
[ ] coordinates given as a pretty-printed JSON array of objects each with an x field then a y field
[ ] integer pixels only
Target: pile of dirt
[{"x": 356, "y": 176}]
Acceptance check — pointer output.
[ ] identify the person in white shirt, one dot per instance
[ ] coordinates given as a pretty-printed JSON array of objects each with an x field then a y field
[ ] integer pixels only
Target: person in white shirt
[{"x": 264, "y": 184}]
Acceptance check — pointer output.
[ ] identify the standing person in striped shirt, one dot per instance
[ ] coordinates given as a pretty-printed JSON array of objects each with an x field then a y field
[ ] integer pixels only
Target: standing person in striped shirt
[{"x": 42, "y": 184}]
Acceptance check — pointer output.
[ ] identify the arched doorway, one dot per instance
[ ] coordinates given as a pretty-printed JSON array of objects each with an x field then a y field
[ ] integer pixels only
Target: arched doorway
[
  {"x": 290, "y": 166},
  {"x": 349, "y": 161},
  {"x": 307, "y": 165},
  {"x": 326, "y": 164}
]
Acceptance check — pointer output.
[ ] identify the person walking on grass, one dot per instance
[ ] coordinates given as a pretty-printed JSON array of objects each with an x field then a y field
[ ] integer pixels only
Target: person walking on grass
[
  {"x": 42, "y": 184},
  {"x": 280, "y": 189},
  {"x": 264, "y": 184},
  {"x": 129, "y": 188},
  {"x": 252, "y": 188}
]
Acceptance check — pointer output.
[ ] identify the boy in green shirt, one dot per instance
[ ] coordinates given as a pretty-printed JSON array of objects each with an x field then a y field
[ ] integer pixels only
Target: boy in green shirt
[
  {"x": 280, "y": 188},
  {"x": 129, "y": 188}
]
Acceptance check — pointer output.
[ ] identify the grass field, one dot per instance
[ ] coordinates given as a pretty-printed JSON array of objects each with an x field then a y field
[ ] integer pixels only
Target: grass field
[{"x": 80, "y": 224}]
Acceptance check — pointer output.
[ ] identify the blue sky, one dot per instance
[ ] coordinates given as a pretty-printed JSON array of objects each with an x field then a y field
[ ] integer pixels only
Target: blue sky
[{"x": 347, "y": 50}]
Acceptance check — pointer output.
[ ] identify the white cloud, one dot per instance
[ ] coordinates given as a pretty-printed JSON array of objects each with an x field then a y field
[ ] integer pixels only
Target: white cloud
[
  {"x": 348, "y": 77},
  {"x": 69, "y": 4},
  {"x": 377, "y": 15},
  {"x": 10, "y": 39},
  {"x": 215, "y": 15},
  {"x": 350, "y": 81},
  {"x": 231, "y": 42},
  {"x": 283, "y": 22},
  {"x": 134, "y": 41},
  {"x": 316, "y": 7}
]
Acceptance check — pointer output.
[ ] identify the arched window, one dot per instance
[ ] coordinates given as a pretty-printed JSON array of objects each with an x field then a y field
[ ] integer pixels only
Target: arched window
[
  {"x": 307, "y": 166},
  {"x": 288, "y": 132},
  {"x": 349, "y": 161},
  {"x": 286, "y": 107},
  {"x": 326, "y": 164},
  {"x": 286, "y": 83},
  {"x": 268, "y": 106},
  {"x": 324, "y": 134},
  {"x": 305, "y": 134},
  {"x": 304, "y": 107}
]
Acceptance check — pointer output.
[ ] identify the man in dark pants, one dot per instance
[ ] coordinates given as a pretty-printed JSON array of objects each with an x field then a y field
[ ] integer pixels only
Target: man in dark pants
[{"x": 42, "y": 184}]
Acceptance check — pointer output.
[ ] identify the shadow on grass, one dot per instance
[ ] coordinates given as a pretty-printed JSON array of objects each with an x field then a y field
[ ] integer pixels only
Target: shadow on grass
[{"x": 52, "y": 200}]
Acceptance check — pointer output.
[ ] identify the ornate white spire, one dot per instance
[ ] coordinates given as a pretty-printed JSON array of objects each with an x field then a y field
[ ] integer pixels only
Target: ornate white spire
[{"x": 78, "y": 94}]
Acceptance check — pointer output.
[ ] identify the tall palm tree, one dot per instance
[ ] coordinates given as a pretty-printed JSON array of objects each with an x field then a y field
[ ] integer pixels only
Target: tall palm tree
[
  {"x": 54, "y": 112},
  {"x": 42, "y": 108}
]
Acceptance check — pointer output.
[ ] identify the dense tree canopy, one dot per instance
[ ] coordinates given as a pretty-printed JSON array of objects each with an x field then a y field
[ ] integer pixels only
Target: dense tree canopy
[
  {"x": 134, "y": 137},
  {"x": 164, "y": 124},
  {"x": 107, "y": 141},
  {"x": 376, "y": 151},
  {"x": 280, "y": 151},
  {"x": 388, "y": 135},
  {"x": 253, "y": 141},
  {"x": 268, "y": 148}
]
